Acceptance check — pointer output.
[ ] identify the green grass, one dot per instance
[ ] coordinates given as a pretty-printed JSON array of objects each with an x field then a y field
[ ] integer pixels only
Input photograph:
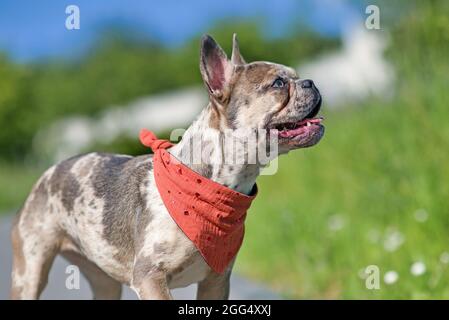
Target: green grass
[
  {"x": 379, "y": 163},
  {"x": 376, "y": 166},
  {"x": 16, "y": 182}
]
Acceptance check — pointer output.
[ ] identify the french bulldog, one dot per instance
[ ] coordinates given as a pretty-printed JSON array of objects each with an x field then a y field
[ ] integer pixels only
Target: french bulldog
[{"x": 103, "y": 212}]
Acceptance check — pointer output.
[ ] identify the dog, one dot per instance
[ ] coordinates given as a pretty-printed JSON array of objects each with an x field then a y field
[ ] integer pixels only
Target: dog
[{"x": 103, "y": 212}]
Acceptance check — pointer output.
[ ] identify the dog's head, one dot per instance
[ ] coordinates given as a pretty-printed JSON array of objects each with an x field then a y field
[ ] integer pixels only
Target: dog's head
[{"x": 260, "y": 95}]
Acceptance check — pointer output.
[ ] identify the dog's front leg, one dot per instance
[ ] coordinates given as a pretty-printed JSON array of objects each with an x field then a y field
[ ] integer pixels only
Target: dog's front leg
[
  {"x": 214, "y": 287},
  {"x": 153, "y": 288}
]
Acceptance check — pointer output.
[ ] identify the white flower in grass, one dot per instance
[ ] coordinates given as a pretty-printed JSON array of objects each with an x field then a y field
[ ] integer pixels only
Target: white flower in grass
[
  {"x": 421, "y": 215},
  {"x": 393, "y": 240},
  {"x": 418, "y": 268},
  {"x": 391, "y": 277},
  {"x": 336, "y": 222},
  {"x": 444, "y": 258}
]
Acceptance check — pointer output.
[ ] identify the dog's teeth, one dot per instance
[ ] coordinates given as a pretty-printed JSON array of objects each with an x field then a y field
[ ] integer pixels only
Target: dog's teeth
[{"x": 309, "y": 124}]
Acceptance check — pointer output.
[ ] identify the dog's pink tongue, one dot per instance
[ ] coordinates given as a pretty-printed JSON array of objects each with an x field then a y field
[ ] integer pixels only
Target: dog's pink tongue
[{"x": 302, "y": 128}]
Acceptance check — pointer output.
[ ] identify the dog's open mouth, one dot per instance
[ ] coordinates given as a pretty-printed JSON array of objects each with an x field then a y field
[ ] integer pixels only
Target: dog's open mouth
[
  {"x": 306, "y": 126},
  {"x": 302, "y": 133}
]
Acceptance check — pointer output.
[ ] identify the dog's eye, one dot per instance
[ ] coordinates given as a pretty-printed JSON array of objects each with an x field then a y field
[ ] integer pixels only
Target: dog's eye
[{"x": 278, "y": 83}]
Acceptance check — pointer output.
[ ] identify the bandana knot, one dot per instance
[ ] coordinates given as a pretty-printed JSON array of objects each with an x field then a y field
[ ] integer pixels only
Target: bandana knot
[{"x": 148, "y": 139}]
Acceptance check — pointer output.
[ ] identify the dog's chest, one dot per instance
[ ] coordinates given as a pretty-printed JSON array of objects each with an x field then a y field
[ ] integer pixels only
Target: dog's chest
[
  {"x": 165, "y": 245},
  {"x": 168, "y": 247}
]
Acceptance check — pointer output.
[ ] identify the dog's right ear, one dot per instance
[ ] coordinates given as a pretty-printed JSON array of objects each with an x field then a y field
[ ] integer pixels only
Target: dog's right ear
[
  {"x": 215, "y": 67},
  {"x": 236, "y": 57}
]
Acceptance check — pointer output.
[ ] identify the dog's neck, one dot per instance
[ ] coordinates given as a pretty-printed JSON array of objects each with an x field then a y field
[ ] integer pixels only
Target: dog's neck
[{"x": 203, "y": 148}]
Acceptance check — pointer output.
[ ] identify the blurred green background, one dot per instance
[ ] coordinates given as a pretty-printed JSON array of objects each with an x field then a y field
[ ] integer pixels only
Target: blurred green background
[{"x": 373, "y": 192}]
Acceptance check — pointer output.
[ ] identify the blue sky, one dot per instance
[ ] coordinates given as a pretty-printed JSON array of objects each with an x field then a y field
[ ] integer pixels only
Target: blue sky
[{"x": 36, "y": 29}]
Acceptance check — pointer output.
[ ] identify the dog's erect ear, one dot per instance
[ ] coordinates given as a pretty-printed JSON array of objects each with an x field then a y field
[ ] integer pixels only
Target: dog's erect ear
[
  {"x": 236, "y": 57},
  {"x": 215, "y": 67}
]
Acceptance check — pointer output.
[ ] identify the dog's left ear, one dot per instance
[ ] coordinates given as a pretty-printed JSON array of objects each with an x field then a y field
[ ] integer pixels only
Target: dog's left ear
[{"x": 216, "y": 69}]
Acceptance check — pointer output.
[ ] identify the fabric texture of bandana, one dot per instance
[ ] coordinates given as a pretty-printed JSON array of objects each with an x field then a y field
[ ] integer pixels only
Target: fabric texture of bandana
[{"x": 211, "y": 215}]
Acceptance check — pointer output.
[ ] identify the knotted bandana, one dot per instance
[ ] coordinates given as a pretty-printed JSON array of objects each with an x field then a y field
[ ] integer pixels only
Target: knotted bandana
[{"x": 211, "y": 215}]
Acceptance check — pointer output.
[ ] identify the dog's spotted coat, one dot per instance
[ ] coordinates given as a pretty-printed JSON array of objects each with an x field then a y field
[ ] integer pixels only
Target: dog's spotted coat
[{"x": 103, "y": 212}]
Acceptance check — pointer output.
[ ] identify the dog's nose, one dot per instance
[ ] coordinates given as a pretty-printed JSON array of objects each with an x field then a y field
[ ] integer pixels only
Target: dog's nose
[{"x": 306, "y": 84}]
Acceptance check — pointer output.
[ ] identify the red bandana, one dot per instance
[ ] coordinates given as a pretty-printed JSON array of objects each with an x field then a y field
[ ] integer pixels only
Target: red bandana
[{"x": 211, "y": 215}]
